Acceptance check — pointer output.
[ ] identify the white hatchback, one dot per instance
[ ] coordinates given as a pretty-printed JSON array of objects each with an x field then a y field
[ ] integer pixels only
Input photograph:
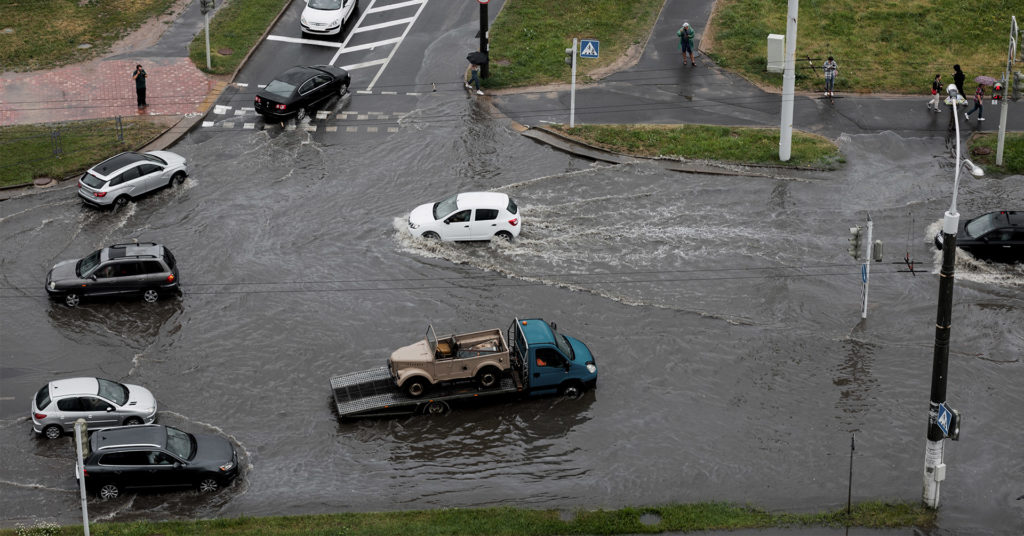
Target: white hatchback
[
  {"x": 327, "y": 17},
  {"x": 467, "y": 216}
]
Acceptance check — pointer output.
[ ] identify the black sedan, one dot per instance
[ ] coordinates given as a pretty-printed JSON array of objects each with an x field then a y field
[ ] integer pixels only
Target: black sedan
[
  {"x": 296, "y": 91},
  {"x": 996, "y": 236}
]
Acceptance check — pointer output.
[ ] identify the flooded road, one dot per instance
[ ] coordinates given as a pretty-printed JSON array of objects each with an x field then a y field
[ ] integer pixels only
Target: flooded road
[{"x": 724, "y": 313}]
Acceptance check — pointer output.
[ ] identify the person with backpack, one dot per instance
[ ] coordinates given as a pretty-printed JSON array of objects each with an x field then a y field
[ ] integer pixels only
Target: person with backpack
[{"x": 685, "y": 34}]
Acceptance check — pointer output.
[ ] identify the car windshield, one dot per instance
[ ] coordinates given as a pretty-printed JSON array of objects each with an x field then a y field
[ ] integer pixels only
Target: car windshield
[
  {"x": 280, "y": 88},
  {"x": 182, "y": 444},
  {"x": 446, "y": 207},
  {"x": 982, "y": 225},
  {"x": 564, "y": 346},
  {"x": 154, "y": 158},
  {"x": 87, "y": 264},
  {"x": 113, "y": 391},
  {"x": 93, "y": 181},
  {"x": 325, "y": 4}
]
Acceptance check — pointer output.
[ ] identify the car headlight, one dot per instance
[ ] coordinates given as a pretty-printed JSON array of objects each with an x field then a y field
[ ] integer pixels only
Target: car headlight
[
  {"x": 302, "y": 19},
  {"x": 413, "y": 225},
  {"x": 337, "y": 22},
  {"x": 227, "y": 466},
  {"x": 53, "y": 285},
  {"x": 591, "y": 368}
]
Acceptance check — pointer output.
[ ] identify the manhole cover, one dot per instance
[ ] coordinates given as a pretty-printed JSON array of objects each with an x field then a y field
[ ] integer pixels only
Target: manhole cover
[
  {"x": 981, "y": 150},
  {"x": 43, "y": 182},
  {"x": 225, "y": 51}
]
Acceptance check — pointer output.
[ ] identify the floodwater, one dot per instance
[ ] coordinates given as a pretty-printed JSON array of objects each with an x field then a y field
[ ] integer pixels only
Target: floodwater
[{"x": 724, "y": 313}]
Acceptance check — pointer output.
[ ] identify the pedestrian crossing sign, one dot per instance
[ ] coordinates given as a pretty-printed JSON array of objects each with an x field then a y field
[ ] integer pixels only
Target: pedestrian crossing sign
[{"x": 589, "y": 48}]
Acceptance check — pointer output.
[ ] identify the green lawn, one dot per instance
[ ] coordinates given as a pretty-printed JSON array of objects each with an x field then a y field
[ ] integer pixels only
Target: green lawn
[
  {"x": 27, "y": 151},
  {"x": 47, "y": 33},
  {"x": 741, "y": 145},
  {"x": 1013, "y": 153},
  {"x": 237, "y": 28}
]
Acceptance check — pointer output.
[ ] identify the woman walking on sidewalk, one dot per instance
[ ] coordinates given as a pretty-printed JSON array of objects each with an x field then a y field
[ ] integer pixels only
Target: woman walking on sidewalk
[
  {"x": 979, "y": 95},
  {"x": 936, "y": 93}
]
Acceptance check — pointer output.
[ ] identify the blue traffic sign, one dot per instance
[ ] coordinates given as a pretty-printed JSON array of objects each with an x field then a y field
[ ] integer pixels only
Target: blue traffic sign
[
  {"x": 589, "y": 48},
  {"x": 944, "y": 418}
]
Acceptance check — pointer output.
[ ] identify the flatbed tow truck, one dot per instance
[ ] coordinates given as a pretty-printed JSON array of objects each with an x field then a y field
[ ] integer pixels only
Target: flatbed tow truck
[{"x": 543, "y": 361}]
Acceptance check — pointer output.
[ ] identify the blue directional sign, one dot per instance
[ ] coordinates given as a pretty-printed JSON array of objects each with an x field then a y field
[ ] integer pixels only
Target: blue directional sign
[
  {"x": 589, "y": 48},
  {"x": 945, "y": 416}
]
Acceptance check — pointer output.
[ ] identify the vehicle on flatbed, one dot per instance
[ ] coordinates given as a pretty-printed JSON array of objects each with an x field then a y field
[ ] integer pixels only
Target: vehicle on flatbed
[
  {"x": 481, "y": 355},
  {"x": 541, "y": 361}
]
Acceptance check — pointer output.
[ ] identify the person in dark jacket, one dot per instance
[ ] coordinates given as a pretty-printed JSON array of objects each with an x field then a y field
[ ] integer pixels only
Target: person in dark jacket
[
  {"x": 979, "y": 95},
  {"x": 936, "y": 93},
  {"x": 140, "y": 85},
  {"x": 958, "y": 79}
]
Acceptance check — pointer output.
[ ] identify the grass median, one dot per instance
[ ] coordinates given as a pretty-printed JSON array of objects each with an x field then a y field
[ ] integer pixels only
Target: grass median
[
  {"x": 518, "y": 522},
  {"x": 27, "y": 151},
  {"x": 43, "y": 35},
  {"x": 741, "y": 145},
  {"x": 982, "y": 151},
  {"x": 234, "y": 30}
]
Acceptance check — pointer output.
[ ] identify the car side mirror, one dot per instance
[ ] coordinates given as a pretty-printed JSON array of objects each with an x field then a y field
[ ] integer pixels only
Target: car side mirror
[
  {"x": 109, "y": 409},
  {"x": 177, "y": 465},
  {"x": 93, "y": 277}
]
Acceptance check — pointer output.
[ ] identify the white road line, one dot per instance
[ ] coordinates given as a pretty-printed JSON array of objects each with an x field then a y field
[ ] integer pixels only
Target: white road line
[
  {"x": 332, "y": 129},
  {"x": 207, "y": 124},
  {"x": 387, "y": 24},
  {"x": 228, "y": 124},
  {"x": 355, "y": 66},
  {"x": 389, "y": 93},
  {"x": 220, "y": 109},
  {"x": 392, "y": 129},
  {"x": 395, "y": 48},
  {"x": 287, "y": 39},
  {"x": 396, "y": 6},
  {"x": 369, "y": 46},
  {"x": 241, "y": 84},
  {"x": 249, "y": 125},
  {"x": 239, "y": 112}
]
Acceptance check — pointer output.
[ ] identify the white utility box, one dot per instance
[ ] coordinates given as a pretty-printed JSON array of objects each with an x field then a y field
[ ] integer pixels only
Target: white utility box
[{"x": 776, "y": 53}]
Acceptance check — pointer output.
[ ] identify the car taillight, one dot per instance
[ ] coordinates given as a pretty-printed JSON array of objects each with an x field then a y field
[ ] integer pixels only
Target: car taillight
[
  {"x": 513, "y": 222},
  {"x": 39, "y": 415},
  {"x": 99, "y": 194},
  {"x": 170, "y": 278},
  {"x": 280, "y": 106}
]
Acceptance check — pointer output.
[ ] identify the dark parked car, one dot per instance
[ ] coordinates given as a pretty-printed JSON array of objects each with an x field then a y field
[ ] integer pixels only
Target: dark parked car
[
  {"x": 156, "y": 456},
  {"x": 145, "y": 269},
  {"x": 996, "y": 236},
  {"x": 294, "y": 92}
]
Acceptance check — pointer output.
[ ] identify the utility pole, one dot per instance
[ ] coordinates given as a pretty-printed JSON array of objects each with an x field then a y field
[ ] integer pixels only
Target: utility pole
[
  {"x": 570, "y": 58},
  {"x": 485, "y": 46},
  {"x": 943, "y": 422},
  {"x": 1010, "y": 57},
  {"x": 866, "y": 271},
  {"x": 788, "y": 83},
  {"x": 205, "y": 6}
]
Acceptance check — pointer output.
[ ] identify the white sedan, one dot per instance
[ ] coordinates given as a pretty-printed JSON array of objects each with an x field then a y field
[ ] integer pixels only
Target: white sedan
[
  {"x": 327, "y": 17},
  {"x": 467, "y": 216}
]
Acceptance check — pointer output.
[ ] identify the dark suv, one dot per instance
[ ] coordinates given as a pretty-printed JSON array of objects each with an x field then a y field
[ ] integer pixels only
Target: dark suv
[
  {"x": 996, "y": 236},
  {"x": 145, "y": 269},
  {"x": 156, "y": 456}
]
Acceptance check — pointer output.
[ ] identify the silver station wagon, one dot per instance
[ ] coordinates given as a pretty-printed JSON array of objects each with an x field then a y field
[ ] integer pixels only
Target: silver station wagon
[{"x": 60, "y": 403}]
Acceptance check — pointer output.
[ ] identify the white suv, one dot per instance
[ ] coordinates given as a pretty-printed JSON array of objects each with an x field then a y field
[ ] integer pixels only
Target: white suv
[
  {"x": 121, "y": 178},
  {"x": 467, "y": 216}
]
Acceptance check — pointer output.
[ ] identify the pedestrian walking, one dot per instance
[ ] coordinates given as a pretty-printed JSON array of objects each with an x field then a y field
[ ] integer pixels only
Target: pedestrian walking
[
  {"x": 936, "y": 93},
  {"x": 474, "y": 77},
  {"x": 140, "y": 85},
  {"x": 831, "y": 70},
  {"x": 958, "y": 79},
  {"x": 685, "y": 34},
  {"x": 979, "y": 95}
]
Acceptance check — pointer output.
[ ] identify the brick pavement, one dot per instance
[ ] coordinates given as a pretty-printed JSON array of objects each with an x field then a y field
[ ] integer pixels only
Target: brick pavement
[{"x": 101, "y": 88}]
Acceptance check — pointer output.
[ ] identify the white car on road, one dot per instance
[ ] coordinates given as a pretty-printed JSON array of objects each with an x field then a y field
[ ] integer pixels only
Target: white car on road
[
  {"x": 327, "y": 17},
  {"x": 467, "y": 216}
]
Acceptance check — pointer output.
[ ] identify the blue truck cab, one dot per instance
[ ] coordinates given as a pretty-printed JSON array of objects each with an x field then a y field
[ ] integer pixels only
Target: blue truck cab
[{"x": 552, "y": 362}]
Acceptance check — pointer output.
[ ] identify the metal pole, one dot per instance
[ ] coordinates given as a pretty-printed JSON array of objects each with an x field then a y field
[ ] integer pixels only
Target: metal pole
[
  {"x": 485, "y": 69},
  {"x": 867, "y": 270},
  {"x": 934, "y": 468},
  {"x": 788, "y": 83},
  {"x": 206, "y": 24},
  {"x": 572, "y": 93},
  {"x": 81, "y": 477},
  {"x": 849, "y": 489},
  {"x": 1006, "y": 84}
]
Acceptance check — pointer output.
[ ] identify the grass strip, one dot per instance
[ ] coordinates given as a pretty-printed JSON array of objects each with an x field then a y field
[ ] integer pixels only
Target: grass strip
[
  {"x": 529, "y": 37},
  {"x": 27, "y": 151},
  {"x": 885, "y": 46},
  {"x": 509, "y": 521},
  {"x": 1013, "y": 152},
  {"x": 234, "y": 29},
  {"x": 741, "y": 145},
  {"x": 47, "y": 34}
]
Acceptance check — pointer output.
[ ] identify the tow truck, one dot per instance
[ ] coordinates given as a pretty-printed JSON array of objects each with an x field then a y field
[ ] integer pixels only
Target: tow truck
[{"x": 542, "y": 362}]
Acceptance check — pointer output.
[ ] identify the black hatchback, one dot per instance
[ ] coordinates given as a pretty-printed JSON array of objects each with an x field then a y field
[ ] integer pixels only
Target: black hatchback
[
  {"x": 156, "y": 456},
  {"x": 298, "y": 90},
  {"x": 996, "y": 236}
]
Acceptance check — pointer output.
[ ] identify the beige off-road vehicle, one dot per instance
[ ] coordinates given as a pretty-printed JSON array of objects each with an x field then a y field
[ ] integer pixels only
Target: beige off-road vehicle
[{"x": 482, "y": 355}]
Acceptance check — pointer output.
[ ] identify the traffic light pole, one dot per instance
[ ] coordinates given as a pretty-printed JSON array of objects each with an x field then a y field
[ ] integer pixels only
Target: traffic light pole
[
  {"x": 867, "y": 270},
  {"x": 1014, "y": 33}
]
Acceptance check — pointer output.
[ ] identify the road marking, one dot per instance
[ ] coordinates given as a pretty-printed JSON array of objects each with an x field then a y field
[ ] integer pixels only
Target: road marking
[
  {"x": 351, "y": 129},
  {"x": 358, "y": 28},
  {"x": 332, "y": 129},
  {"x": 322, "y": 114},
  {"x": 220, "y": 109},
  {"x": 393, "y": 6},
  {"x": 228, "y": 124},
  {"x": 395, "y": 48},
  {"x": 207, "y": 124},
  {"x": 240, "y": 112},
  {"x": 355, "y": 66},
  {"x": 317, "y": 42},
  {"x": 249, "y": 125},
  {"x": 370, "y": 46},
  {"x": 241, "y": 84},
  {"x": 384, "y": 25}
]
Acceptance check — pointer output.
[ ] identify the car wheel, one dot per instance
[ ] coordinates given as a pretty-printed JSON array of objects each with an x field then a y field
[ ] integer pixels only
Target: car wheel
[
  {"x": 151, "y": 296},
  {"x": 53, "y": 431},
  {"x": 132, "y": 421},
  {"x": 71, "y": 299},
  {"x": 431, "y": 235},
  {"x": 120, "y": 202},
  {"x": 488, "y": 377},
  {"x": 300, "y": 115},
  {"x": 208, "y": 485},
  {"x": 436, "y": 407},
  {"x": 572, "y": 391},
  {"x": 178, "y": 177},
  {"x": 504, "y": 235},
  {"x": 343, "y": 89},
  {"x": 109, "y": 491},
  {"x": 416, "y": 387}
]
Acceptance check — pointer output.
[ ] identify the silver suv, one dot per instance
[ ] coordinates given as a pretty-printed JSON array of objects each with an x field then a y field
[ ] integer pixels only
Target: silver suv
[
  {"x": 60, "y": 403},
  {"x": 121, "y": 178}
]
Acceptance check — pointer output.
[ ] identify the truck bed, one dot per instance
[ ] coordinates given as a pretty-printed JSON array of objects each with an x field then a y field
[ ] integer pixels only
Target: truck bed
[{"x": 372, "y": 393}]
